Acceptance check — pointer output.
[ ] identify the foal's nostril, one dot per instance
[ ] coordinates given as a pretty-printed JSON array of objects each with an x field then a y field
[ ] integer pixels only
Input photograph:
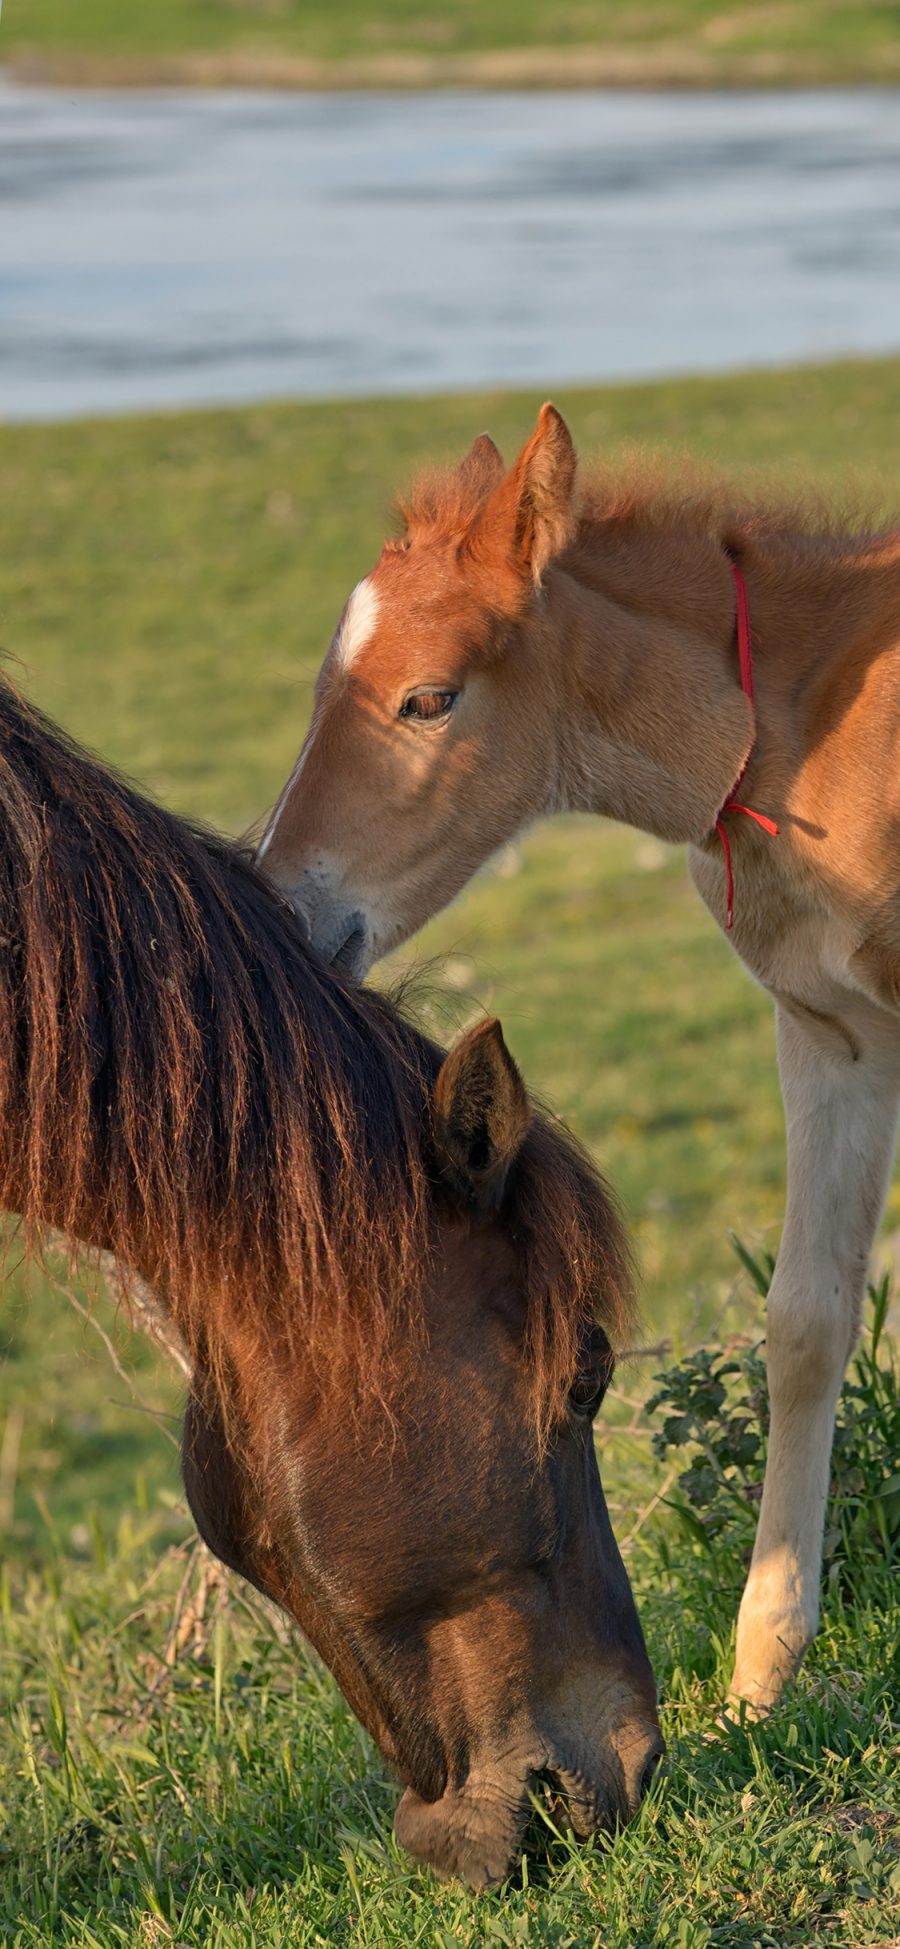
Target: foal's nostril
[{"x": 350, "y": 953}]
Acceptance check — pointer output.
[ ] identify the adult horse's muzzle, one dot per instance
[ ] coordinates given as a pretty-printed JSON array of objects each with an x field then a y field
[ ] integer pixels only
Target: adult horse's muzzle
[{"x": 474, "y": 1830}]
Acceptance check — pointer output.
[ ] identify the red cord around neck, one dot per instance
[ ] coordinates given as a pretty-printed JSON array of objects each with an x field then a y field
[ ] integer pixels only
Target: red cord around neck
[{"x": 732, "y": 803}]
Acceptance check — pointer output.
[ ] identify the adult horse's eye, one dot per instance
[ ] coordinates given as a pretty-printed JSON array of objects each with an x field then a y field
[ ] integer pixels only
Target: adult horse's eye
[
  {"x": 428, "y": 706},
  {"x": 587, "y": 1393},
  {"x": 591, "y": 1383}
]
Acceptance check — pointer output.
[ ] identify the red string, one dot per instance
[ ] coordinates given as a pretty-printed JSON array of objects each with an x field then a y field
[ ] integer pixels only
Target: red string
[
  {"x": 742, "y": 620},
  {"x": 732, "y": 803}
]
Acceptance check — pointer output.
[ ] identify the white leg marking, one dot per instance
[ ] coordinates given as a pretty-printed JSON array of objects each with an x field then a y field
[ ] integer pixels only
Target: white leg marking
[
  {"x": 357, "y": 623},
  {"x": 841, "y": 1122}
]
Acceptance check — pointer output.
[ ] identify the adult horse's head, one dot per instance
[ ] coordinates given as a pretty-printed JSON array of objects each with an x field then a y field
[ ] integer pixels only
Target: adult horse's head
[
  {"x": 437, "y": 727},
  {"x": 447, "y": 1545}
]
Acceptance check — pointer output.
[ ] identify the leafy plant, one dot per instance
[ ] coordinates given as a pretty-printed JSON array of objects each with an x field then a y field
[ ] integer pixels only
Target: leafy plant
[
  {"x": 864, "y": 1512},
  {"x": 715, "y": 1408}
]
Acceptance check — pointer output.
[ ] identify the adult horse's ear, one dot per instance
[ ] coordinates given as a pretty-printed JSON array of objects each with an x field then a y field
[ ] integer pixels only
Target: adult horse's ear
[
  {"x": 482, "y": 467},
  {"x": 481, "y": 1116},
  {"x": 531, "y": 515}
]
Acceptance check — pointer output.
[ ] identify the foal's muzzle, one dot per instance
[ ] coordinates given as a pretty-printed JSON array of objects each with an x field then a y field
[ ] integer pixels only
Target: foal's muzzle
[{"x": 340, "y": 936}]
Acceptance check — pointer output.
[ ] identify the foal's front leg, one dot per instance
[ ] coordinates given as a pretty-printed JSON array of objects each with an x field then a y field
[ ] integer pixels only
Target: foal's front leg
[{"x": 841, "y": 1111}]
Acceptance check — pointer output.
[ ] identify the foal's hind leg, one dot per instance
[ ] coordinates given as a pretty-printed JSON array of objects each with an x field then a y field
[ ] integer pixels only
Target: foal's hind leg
[{"x": 841, "y": 1112}]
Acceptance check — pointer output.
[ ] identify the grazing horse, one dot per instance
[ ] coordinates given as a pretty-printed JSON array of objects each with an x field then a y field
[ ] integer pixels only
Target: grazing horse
[
  {"x": 395, "y": 1285},
  {"x": 713, "y": 673}
]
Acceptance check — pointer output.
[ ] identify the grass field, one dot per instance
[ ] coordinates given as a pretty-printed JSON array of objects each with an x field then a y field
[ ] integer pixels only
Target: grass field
[
  {"x": 168, "y": 587},
  {"x": 404, "y": 42}
]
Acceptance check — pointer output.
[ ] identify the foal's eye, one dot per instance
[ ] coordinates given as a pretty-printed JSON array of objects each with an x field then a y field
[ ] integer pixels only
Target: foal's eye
[{"x": 428, "y": 706}]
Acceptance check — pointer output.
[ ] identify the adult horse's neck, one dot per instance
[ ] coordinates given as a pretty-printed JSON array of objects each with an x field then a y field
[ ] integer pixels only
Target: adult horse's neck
[{"x": 656, "y": 729}]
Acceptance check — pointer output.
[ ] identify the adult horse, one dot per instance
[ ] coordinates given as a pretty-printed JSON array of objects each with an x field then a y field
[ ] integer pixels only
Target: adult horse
[
  {"x": 527, "y": 649},
  {"x": 394, "y": 1283}
]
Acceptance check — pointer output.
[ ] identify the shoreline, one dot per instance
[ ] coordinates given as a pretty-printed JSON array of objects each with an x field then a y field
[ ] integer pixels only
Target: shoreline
[{"x": 534, "y": 68}]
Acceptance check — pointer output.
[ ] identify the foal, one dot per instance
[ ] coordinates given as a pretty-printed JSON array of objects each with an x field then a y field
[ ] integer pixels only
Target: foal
[
  {"x": 393, "y": 1282},
  {"x": 528, "y": 649}
]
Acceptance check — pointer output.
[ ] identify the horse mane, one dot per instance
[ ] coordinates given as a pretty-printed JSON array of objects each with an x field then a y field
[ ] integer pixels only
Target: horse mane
[
  {"x": 637, "y": 490},
  {"x": 184, "y": 1083},
  {"x": 181, "y": 1081},
  {"x": 441, "y": 501}
]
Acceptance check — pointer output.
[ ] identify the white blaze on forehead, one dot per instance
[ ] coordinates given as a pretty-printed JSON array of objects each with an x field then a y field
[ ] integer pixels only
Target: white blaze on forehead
[{"x": 357, "y": 623}]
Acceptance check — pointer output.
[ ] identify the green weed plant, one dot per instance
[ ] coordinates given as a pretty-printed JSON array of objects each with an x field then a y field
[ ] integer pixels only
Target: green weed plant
[{"x": 714, "y": 1410}]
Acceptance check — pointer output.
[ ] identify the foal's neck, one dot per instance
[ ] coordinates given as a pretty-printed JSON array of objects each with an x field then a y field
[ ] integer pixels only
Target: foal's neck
[
  {"x": 656, "y": 726},
  {"x": 656, "y": 729}
]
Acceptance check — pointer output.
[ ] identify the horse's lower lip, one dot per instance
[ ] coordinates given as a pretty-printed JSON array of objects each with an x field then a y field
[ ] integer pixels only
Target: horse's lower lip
[{"x": 460, "y": 1834}]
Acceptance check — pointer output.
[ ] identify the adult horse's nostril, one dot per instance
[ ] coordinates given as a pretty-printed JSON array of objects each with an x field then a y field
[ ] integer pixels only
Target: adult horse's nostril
[{"x": 651, "y": 1768}]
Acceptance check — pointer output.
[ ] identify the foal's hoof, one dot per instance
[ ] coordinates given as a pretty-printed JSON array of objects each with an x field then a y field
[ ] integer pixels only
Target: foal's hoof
[
  {"x": 750, "y": 1698},
  {"x": 737, "y": 1712}
]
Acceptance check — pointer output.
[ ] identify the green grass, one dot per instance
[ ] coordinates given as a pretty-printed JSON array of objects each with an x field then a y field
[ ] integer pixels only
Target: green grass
[
  {"x": 228, "y": 1798},
  {"x": 783, "y": 40},
  {"x": 168, "y": 587}
]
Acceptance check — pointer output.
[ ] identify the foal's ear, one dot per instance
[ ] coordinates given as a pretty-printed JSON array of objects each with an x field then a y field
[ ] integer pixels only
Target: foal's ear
[
  {"x": 481, "y": 1116},
  {"x": 531, "y": 515},
  {"x": 482, "y": 467}
]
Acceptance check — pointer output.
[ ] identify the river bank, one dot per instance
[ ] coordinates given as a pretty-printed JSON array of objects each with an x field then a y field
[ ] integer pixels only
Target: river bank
[
  {"x": 502, "y": 68},
  {"x": 399, "y": 44}
]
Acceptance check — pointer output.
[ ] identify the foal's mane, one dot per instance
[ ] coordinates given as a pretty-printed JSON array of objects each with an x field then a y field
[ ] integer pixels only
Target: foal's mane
[
  {"x": 646, "y": 493},
  {"x": 183, "y": 1082}
]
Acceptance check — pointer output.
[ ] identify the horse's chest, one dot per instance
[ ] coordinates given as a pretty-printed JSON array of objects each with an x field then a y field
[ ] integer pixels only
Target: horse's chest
[
  {"x": 796, "y": 944},
  {"x": 804, "y": 958}
]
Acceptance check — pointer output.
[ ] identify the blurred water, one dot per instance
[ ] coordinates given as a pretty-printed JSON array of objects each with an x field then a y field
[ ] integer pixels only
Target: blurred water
[{"x": 166, "y": 249}]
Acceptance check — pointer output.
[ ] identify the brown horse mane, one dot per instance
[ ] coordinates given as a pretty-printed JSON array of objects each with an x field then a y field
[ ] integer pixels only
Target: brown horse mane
[
  {"x": 640, "y": 491},
  {"x": 184, "y": 1083}
]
